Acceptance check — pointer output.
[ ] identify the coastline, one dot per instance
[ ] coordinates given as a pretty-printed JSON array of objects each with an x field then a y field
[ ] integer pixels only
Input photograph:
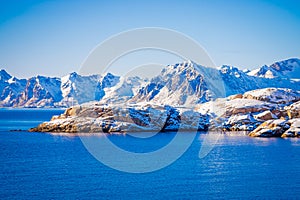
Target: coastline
[{"x": 258, "y": 116}]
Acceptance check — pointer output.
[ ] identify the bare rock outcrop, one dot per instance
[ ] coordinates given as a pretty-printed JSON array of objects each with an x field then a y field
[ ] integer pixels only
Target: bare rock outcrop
[
  {"x": 293, "y": 110},
  {"x": 294, "y": 130},
  {"x": 120, "y": 118},
  {"x": 271, "y": 128}
]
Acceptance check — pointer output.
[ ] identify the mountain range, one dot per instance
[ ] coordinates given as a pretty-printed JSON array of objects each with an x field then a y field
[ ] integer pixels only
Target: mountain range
[{"x": 180, "y": 84}]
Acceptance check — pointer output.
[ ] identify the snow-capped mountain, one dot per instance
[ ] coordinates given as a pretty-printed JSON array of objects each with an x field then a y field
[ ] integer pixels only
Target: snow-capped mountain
[
  {"x": 237, "y": 81},
  {"x": 4, "y": 76},
  {"x": 77, "y": 89},
  {"x": 10, "y": 88},
  {"x": 107, "y": 80},
  {"x": 69, "y": 90},
  {"x": 188, "y": 83},
  {"x": 40, "y": 91},
  {"x": 284, "y": 69},
  {"x": 180, "y": 84},
  {"x": 123, "y": 90}
]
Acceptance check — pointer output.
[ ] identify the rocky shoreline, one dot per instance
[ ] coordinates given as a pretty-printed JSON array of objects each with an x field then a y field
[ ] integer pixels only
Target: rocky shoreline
[
  {"x": 270, "y": 112},
  {"x": 117, "y": 118}
]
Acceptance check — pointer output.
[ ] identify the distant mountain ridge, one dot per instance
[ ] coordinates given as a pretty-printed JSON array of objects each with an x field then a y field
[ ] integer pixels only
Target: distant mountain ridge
[
  {"x": 284, "y": 69},
  {"x": 180, "y": 84},
  {"x": 41, "y": 91},
  {"x": 188, "y": 83}
]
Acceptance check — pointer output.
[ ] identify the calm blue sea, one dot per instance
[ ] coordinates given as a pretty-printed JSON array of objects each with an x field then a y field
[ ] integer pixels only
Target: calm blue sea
[{"x": 44, "y": 166}]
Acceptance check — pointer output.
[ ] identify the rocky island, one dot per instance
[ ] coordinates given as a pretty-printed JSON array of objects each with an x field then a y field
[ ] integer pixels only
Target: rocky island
[{"x": 265, "y": 115}]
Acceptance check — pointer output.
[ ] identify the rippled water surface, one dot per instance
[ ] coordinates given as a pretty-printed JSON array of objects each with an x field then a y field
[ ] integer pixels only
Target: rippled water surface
[{"x": 44, "y": 166}]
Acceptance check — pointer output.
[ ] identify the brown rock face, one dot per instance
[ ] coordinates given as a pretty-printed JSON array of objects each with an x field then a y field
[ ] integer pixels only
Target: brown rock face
[
  {"x": 73, "y": 111},
  {"x": 116, "y": 118},
  {"x": 294, "y": 130},
  {"x": 245, "y": 110},
  {"x": 293, "y": 110},
  {"x": 271, "y": 128},
  {"x": 237, "y": 96},
  {"x": 48, "y": 127},
  {"x": 266, "y": 115}
]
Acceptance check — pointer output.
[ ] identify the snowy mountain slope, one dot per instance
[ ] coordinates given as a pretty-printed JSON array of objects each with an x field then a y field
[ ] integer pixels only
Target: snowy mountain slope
[
  {"x": 77, "y": 89},
  {"x": 181, "y": 84},
  {"x": 284, "y": 69},
  {"x": 4, "y": 76},
  {"x": 237, "y": 81},
  {"x": 69, "y": 90},
  {"x": 122, "y": 91},
  {"x": 10, "y": 88},
  {"x": 40, "y": 91},
  {"x": 107, "y": 80},
  {"x": 188, "y": 83}
]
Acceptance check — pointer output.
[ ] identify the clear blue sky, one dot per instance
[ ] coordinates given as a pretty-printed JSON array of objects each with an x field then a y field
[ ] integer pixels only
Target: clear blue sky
[{"x": 54, "y": 37}]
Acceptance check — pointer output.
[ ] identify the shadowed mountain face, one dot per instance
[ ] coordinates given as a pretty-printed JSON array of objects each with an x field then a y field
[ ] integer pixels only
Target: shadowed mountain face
[{"x": 180, "y": 84}]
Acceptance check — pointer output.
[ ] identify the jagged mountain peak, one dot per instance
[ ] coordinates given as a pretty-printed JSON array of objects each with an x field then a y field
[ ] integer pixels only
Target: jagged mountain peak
[
  {"x": 286, "y": 65},
  {"x": 78, "y": 89},
  {"x": 179, "y": 84},
  {"x": 227, "y": 69},
  {"x": 108, "y": 80},
  {"x": 289, "y": 68},
  {"x": 108, "y": 75},
  {"x": 4, "y": 76},
  {"x": 69, "y": 77},
  {"x": 123, "y": 90},
  {"x": 180, "y": 67},
  {"x": 73, "y": 75}
]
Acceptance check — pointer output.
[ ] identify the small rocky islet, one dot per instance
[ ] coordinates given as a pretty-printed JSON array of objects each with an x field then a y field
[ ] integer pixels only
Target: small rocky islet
[{"x": 269, "y": 112}]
